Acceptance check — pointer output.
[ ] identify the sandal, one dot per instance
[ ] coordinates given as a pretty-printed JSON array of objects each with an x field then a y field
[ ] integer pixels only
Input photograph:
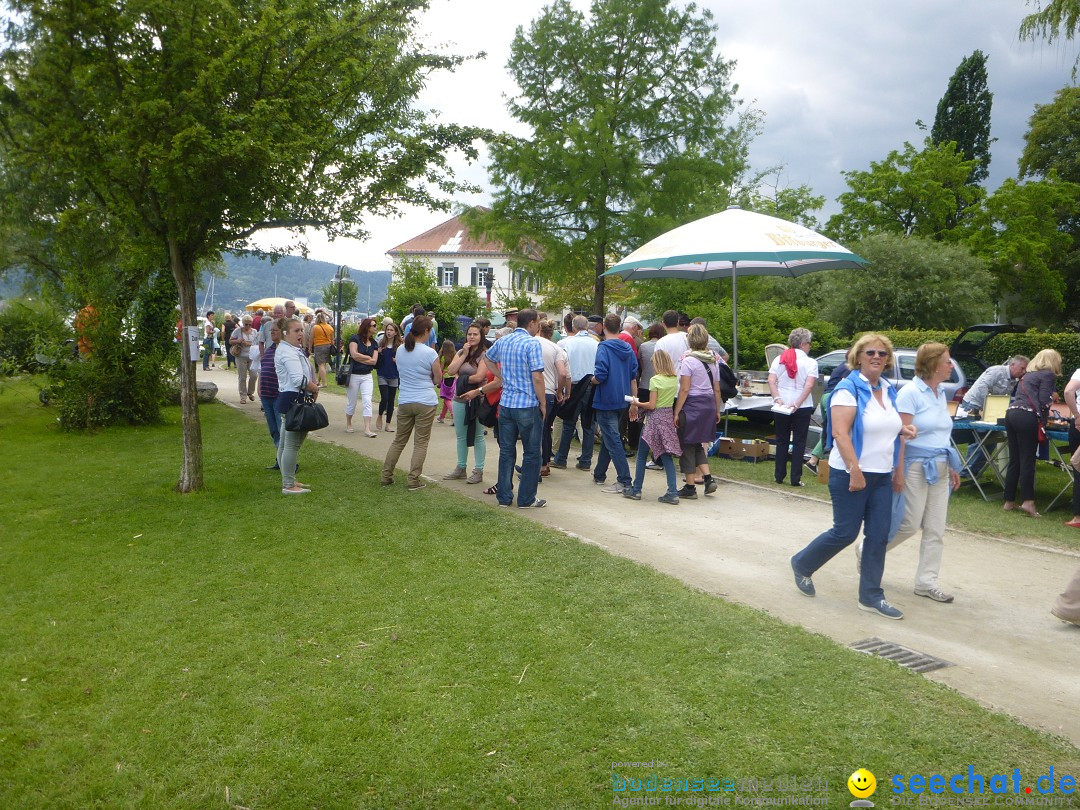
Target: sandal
[
  {"x": 494, "y": 488},
  {"x": 350, "y": 430},
  {"x": 1074, "y": 523}
]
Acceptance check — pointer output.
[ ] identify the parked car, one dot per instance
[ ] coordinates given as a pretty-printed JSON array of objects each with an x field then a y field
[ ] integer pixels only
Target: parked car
[{"x": 902, "y": 372}]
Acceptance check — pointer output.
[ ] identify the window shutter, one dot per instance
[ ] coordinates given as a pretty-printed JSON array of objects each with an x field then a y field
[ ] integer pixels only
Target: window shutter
[{"x": 474, "y": 277}]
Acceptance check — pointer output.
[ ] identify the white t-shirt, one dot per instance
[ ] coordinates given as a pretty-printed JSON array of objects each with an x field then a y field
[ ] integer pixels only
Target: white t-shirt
[
  {"x": 551, "y": 352},
  {"x": 790, "y": 389},
  {"x": 881, "y": 423},
  {"x": 674, "y": 345}
]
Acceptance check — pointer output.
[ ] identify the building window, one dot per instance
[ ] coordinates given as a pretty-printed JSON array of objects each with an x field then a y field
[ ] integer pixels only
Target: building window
[
  {"x": 525, "y": 281},
  {"x": 478, "y": 275},
  {"x": 448, "y": 276}
]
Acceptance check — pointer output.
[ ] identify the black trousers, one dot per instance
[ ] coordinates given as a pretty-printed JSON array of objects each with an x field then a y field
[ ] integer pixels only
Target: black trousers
[
  {"x": 1021, "y": 430},
  {"x": 791, "y": 428},
  {"x": 387, "y": 395}
]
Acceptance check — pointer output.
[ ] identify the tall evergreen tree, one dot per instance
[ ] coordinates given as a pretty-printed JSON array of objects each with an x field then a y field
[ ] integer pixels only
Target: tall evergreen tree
[{"x": 963, "y": 115}]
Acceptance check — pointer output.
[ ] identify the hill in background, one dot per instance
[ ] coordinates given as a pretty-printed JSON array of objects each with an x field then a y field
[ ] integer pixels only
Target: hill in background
[{"x": 249, "y": 278}]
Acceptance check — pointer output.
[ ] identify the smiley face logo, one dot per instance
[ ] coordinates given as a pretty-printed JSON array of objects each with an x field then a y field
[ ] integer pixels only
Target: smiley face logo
[{"x": 862, "y": 784}]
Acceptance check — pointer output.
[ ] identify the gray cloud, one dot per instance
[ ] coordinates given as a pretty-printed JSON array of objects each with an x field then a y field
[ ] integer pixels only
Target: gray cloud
[{"x": 841, "y": 84}]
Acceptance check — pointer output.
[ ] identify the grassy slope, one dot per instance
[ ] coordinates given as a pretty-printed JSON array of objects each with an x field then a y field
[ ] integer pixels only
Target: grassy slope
[{"x": 365, "y": 646}]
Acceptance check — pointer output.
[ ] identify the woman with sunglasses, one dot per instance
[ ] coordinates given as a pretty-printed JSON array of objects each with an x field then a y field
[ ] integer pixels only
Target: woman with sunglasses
[{"x": 866, "y": 431}]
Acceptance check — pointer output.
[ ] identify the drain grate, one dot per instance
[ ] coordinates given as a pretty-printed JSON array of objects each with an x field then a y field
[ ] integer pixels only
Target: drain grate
[{"x": 904, "y": 656}]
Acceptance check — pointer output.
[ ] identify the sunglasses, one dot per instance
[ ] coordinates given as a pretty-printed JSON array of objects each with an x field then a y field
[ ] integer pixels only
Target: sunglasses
[{"x": 875, "y": 352}]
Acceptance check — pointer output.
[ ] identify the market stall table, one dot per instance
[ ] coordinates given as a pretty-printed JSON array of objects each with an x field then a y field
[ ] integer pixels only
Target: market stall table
[{"x": 966, "y": 431}]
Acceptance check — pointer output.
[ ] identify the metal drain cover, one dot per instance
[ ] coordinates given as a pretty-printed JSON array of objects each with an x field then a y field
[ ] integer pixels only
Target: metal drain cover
[{"x": 905, "y": 657}]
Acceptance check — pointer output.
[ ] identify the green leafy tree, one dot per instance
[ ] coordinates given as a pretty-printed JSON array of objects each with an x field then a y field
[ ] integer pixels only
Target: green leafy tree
[
  {"x": 627, "y": 110},
  {"x": 1052, "y": 20},
  {"x": 1052, "y": 142},
  {"x": 1027, "y": 250},
  {"x": 916, "y": 192},
  {"x": 193, "y": 125},
  {"x": 911, "y": 283},
  {"x": 415, "y": 282},
  {"x": 963, "y": 115},
  {"x": 1050, "y": 208},
  {"x": 349, "y": 293}
]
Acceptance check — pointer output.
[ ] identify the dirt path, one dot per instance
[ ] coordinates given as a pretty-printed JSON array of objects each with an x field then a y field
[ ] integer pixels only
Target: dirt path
[{"x": 1009, "y": 653}]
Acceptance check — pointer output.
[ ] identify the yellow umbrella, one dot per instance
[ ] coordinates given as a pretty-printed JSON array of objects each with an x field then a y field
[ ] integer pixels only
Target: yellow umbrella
[{"x": 268, "y": 304}]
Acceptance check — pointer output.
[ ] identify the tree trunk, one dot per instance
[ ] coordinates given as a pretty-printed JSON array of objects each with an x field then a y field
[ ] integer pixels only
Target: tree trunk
[
  {"x": 598, "y": 283},
  {"x": 191, "y": 472}
]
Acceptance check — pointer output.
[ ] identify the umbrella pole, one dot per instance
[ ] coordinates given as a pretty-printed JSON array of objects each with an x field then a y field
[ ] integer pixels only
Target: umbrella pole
[{"x": 734, "y": 318}]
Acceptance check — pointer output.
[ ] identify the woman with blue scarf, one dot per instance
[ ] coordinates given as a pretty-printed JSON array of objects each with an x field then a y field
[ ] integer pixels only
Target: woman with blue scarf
[
  {"x": 929, "y": 465},
  {"x": 866, "y": 431}
]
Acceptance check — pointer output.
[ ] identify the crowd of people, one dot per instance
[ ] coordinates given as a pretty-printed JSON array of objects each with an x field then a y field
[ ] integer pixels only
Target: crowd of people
[{"x": 656, "y": 396}]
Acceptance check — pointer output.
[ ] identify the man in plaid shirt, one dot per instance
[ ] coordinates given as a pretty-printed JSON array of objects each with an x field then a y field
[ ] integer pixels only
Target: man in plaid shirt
[{"x": 518, "y": 363}]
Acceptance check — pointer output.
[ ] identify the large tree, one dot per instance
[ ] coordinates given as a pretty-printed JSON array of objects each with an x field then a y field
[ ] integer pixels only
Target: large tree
[
  {"x": 963, "y": 115},
  {"x": 1052, "y": 143},
  {"x": 917, "y": 192},
  {"x": 630, "y": 130},
  {"x": 1048, "y": 235},
  {"x": 193, "y": 124}
]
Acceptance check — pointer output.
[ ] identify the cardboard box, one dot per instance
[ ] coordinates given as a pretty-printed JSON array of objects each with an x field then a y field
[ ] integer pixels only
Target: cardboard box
[
  {"x": 727, "y": 447},
  {"x": 755, "y": 449},
  {"x": 742, "y": 449}
]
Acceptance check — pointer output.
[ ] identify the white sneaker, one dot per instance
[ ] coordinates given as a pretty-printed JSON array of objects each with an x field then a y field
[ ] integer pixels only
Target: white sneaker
[{"x": 936, "y": 594}]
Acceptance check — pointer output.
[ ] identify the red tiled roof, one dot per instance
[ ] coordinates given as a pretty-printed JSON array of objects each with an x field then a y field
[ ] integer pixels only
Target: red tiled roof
[{"x": 452, "y": 237}]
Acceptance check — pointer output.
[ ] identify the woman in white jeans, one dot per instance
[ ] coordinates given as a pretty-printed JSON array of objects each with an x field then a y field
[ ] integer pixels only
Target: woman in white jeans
[
  {"x": 929, "y": 467},
  {"x": 363, "y": 354}
]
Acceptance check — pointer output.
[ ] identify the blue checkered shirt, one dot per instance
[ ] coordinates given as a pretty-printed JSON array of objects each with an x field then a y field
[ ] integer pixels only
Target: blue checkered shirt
[{"x": 518, "y": 355}]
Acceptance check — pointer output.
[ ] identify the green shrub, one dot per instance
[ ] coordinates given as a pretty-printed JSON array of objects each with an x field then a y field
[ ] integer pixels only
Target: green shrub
[
  {"x": 123, "y": 387},
  {"x": 30, "y": 331}
]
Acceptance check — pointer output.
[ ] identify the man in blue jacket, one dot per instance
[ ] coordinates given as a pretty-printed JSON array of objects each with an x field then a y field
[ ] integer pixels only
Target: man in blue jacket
[{"x": 616, "y": 379}]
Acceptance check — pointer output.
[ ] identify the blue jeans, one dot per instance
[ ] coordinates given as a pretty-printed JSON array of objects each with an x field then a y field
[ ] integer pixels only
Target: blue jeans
[
  {"x": 665, "y": 459},
  {"x": 869, "y": 508},
  {"x": 523, "y": 423},
  {"x": 273, "y": 418},
  {"x": 611, "y": 449}
]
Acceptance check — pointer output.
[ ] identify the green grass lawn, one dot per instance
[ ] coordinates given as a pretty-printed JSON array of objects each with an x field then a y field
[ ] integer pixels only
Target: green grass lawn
[
  {"x": 967, "y": 510},
  {"x": 369, "y": 647}
]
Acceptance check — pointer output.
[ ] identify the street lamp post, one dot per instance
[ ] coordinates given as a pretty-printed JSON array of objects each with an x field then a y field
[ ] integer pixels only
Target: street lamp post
[{"x": 341, "y": 275}]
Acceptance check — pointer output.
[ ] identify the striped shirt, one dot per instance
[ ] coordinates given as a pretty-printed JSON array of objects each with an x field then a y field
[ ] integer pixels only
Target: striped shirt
[
  {"x": 518, "y": 356},
  {"x": 268, "y": 374}
]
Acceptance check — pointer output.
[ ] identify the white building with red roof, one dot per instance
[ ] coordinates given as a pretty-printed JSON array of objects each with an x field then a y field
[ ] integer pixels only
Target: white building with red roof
[{"x": 462, "y": 259}]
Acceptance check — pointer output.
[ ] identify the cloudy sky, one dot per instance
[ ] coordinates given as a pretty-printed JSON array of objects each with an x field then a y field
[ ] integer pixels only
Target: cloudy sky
[{"x": 841, "y": 83}]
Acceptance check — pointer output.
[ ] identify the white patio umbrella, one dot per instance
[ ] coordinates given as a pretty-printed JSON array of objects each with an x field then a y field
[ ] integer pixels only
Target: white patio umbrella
[{"x": 731, "y": 243}]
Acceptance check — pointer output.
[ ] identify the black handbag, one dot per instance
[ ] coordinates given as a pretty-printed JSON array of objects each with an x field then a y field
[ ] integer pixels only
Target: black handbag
[
  {"x": 306, "y": 415},
  {"x": 343, "y": 372},
  {"x": 486, "y": 413}
]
